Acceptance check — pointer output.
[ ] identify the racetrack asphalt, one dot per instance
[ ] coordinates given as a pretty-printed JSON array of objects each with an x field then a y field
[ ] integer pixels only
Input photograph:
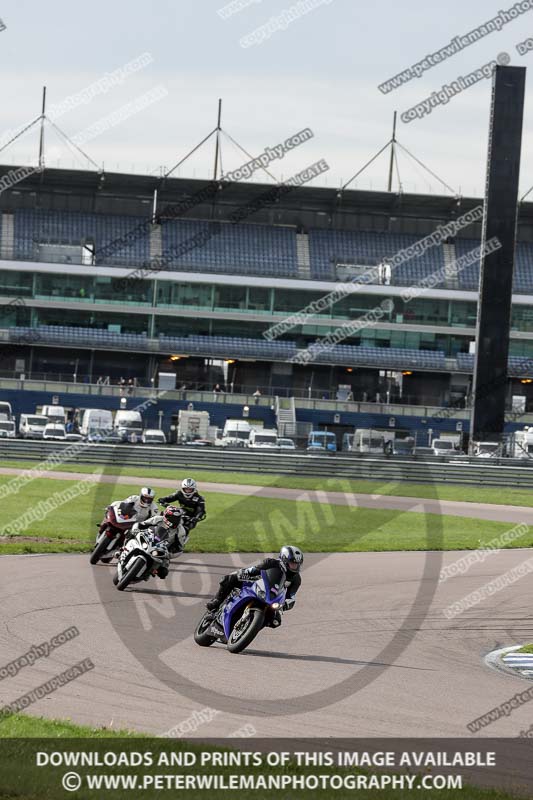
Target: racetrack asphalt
[{"x": 351, "y": 606}]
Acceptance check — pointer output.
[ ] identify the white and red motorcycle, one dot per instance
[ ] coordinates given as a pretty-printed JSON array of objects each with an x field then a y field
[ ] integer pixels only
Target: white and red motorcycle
[{"x": 119, "y": 519}]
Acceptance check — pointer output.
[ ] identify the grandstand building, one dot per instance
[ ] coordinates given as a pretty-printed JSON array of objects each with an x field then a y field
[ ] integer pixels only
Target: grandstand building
[{"x": 129, "y": 276}]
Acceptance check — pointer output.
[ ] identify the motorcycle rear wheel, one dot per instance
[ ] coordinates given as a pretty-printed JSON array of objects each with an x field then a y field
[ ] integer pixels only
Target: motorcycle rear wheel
[{"x": 202, "y": 638}]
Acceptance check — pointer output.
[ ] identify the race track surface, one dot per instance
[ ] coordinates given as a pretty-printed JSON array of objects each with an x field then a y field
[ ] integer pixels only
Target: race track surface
[
  {"x": 498, "y": 513},
  {"x": 369, "y": 620}
]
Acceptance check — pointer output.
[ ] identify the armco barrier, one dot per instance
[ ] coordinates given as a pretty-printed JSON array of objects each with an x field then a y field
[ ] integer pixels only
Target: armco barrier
[{"x": 419, "y": 469}]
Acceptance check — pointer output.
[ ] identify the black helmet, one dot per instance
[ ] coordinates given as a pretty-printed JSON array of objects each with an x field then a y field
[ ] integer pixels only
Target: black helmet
[
  {"x": 127, "y": 509},
  {"x": 172, "y": 516},
  {"x": 291, "y": 557}
]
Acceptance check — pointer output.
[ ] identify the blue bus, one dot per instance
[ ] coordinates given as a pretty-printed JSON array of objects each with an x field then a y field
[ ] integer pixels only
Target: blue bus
[{"x": 322, "y": 441}]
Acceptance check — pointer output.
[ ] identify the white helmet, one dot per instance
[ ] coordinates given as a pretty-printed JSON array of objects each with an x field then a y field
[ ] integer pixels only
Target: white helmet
[
  {"x": 146, "y": 496},
  {"x": 188, "y": 487}
]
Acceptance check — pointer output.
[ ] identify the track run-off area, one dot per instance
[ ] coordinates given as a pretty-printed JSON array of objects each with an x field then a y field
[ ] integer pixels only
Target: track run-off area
[{"x": 496, "y": 513}]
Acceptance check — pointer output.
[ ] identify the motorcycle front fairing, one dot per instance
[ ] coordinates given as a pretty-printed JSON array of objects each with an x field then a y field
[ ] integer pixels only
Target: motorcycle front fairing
[
  {"x": 138, "y": 546},
  {"x": 114, "y": 525},
  {"x": 269, "y": 589}
]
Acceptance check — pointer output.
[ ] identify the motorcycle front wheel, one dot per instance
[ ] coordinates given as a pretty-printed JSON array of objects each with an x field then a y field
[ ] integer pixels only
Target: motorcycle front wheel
[
  {"x": 246, "y": 629},
  {"x": 131, "y": 573},
  {"x": 100, "y": 549}
]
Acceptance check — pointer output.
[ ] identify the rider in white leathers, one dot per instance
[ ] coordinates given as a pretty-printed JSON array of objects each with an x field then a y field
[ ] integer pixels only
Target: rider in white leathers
[
  {"x": 143, "y": 504},
  {"x": 140, "y": 506}
]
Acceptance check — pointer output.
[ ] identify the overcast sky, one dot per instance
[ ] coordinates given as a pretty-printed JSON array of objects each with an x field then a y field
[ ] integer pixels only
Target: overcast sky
[{"x": 321, "y": 72}]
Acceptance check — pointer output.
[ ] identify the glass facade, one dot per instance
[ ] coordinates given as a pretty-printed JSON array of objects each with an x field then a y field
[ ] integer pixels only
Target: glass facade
[
  {"x": 94, "y": 293},
  {"x": 183, "y": 326},
  {"x": 242, "y": 299},
  {"x": 91, "y": 318},
  {"x": 193, "y": 295},
  {"x": 16, "y": 284},
  {"x": 522, "y": 318},
  {"x": 521, "y": 348}
]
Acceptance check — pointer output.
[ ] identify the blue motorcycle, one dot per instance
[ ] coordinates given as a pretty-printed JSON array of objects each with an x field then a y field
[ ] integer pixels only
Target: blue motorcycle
[{"x": 245, "y": 612}]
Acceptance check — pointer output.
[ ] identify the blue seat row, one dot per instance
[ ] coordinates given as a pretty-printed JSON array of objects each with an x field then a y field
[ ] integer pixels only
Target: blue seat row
[
  {"x": 33, "y": 227},
  {"x": 245, "y": 248},
  {"x": 386, "y": 357},
  {"x": 523, "y": 268},
  {"x": 70, "y": 334},
  {"x": 227, "y": 247},
  {"x": 517, "y": 365},
  {"x": 233, "y": 347},
  {"x": 229, "y": 346},
  {"x": 327, "y": 247}
]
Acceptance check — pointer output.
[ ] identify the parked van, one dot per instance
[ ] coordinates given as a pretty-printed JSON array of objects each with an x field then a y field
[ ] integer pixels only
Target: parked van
[
  {"x": 443, "y": 447},
  {"x": 6, "y": 412},
  {"x": 286, "y": 444},
  {"x": 96, "y": 422},
  {"x": 262, "y": 438},
  {"x": 236, "y": 433},
  {"x": 368, "y": 441},
  {"x": 128, "y": 425},
  {"x": 31, "y": 426},
  {"x": 347, "y": 441},
  {"x": 7, "y": 428},
  {"x": 55, "y": 431},
  {"x": 403, "y": 447},
  {"x": 154, "y": 436},
  {"x": 54, "y": 413}
]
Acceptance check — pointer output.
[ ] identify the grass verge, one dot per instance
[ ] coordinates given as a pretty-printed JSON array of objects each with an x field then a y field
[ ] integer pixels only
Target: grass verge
[
  {"x": 527, "y": 648},
  {"x": 242, "y": 524},
  {"x": 24, "y": 726},
  {"x": 467, "y": 494}
]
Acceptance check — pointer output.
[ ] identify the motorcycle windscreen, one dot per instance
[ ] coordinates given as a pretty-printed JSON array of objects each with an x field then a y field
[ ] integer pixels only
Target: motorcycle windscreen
[{"x": 274, "y": 580}]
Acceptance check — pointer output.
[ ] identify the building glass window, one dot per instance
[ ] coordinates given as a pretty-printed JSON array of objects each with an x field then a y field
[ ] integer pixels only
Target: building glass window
[{"x": 230, "y": 297}]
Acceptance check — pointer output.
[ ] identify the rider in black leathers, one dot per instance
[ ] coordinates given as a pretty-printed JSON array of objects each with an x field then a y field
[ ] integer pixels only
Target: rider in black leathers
[
  {"x": 190, "y": 500},
  {"x": 290, "y": 560}
]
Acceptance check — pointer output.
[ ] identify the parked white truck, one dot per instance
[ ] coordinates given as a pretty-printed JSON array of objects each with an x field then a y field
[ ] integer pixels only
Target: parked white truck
[
  {"x": 522, "y": 443},
  {"x": 368, "y": 441},
  {"x": 128, "y": 425},
  {"x": 54, "y": 413},
  {"x": 6, "y": 412},
  {"x": 236, "y": 433},
  {"x": 487, "y": 449},
  {"x": 96, "y": 422},
  {"x": 263, "y": 439},
  {"x": 192, "y": 426},
  {"x": 447, "y": 444}
]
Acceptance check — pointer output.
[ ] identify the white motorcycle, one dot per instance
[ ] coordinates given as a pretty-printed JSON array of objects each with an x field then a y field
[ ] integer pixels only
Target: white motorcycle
[{"x": 143, "y": 556}]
